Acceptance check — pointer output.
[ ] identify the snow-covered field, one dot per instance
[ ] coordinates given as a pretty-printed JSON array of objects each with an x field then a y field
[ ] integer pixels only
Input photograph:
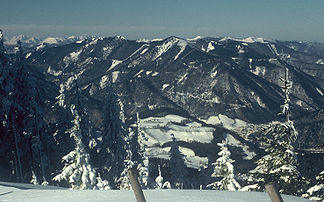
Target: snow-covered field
[
  {"x": 37, "y": 195},
  {"x": 159, "y": 131}
]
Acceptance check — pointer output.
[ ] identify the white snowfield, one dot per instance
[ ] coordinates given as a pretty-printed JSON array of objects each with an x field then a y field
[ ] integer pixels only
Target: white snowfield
[
  {"x": 162, "y": 195},
  {"x": 158, "y": 132}
]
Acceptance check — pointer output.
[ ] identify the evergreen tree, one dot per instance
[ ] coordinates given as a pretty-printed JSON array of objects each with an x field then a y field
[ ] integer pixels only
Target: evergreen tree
[
  {"x": 23, "y": 128},
  {"x": 280, "y": 164},
  {"x": 111, "y": 151},
  {"x": 224, "y": 169},
  {"x": 8, "y": 148},
  {"x": 316, "y": 192},
  {"x": 178, "y": 169},
  {"x": 78, "y": 171},
  {"x": 285, "y": 108},
  {"x": 142, "y": 159},
  {"x": 123, "y": 181},
  {"x": 159, "y": 179}
]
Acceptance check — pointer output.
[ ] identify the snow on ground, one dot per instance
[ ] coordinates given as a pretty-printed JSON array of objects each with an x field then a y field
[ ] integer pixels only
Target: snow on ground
[
  {"x": 72, "y": 57},
  {"x": 253, "y": 40},
  {"x": 258, "y": 70},
  {"x": 155, "y": 74},
  {"x": 195, "y": 38},
  {"x": 320, "y": 92},
  {"x": 190, "y": 159},
  {"x": 163, "y": 48},
  {"x": 103, "y": 81},
  {"x": 52, "y": 40},
  {"x": 182, "y": 44},
  {"x": 39, "y": 47},
  {"x": 227, "y": 122},
  {"x": 148, "y": 40},
  {"x": 114, "y": 63},
  {"x": 250, "y": 63},
  {"x": 53, "y": 72},
  {"x": 246, "y": 40},
  {"x": 273, "y": 49},
  {"x": 210, "y": 46},
  {"x": 114, "y": 76},
  {"x": 106, "y": 51},
  {"x": 320, "y": 62},
  {"x": 234, "y": 142},
  {"x": 165, "y": 86},
  {"x": 138, "y": 73},
  {"x": 300, "y": 103},
  {"x": 182, "y": 77},
  {"x": 240, "y": 49},
  {"x": 27, "y": 55},
  {"x": 158, "y": 130},
  {"x": 144, "y": 51},
  {"x": 9, "y": 194}
]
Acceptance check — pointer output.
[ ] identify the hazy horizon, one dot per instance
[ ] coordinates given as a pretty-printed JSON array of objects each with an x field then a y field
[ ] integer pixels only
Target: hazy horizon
[{"x": 277, "y": 20}]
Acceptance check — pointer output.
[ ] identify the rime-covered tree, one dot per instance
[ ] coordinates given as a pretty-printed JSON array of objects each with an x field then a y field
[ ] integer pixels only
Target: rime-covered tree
[
  {"x": 224, "y": 171},
  {"x": 159, "y": 179},
  {"x": 8, "y": 155},
  {"x": 316, "y": 192},
  {"x": 178, "y": 169},
  {"x": 111, "y": 155},
  {"x": 280, "y": 163},
  {"x": 285, "y": 108},
  {"x": 123, "y": 181},
  {"x": 141, "y": 159},
  {"x": 78, "y": 171},
  {"x": 23, "y": 127}
]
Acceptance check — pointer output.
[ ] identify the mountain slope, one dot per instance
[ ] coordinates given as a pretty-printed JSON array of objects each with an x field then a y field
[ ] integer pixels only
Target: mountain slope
[{"x": 227, "y": 85}]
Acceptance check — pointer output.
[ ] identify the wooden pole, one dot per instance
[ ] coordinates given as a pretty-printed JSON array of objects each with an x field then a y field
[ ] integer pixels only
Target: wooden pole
[
  {"x": 273, "y": 192},
  {"x": 133, "y": 177}
]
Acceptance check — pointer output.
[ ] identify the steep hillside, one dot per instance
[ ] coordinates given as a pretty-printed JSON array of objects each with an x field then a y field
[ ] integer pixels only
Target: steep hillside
[{"x": 196, "y": 79}]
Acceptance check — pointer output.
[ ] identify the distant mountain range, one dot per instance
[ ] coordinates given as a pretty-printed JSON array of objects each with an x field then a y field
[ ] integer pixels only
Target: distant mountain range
[
  {"x": 37, "y": 43},
  {"x": 201, "y": 90}
]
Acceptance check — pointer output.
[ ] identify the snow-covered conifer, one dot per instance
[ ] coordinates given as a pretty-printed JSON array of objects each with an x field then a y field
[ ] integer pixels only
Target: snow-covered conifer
[
  {"x": 111, "y": 151},
  {"x": 280, "y": 164},
  {"x": 316, "y": 192},
  {"x": 159, "y": 179},
  {"x": 178, "y": 169},
  {"x": 285, "y": 107},
  {"x": 78, "y": 171},
  {"x": 143, "y": 160},
  {"x": 22, "y": 124},
  {"x": 224, "y": 171},
  {"x": 123, "y": 181}
]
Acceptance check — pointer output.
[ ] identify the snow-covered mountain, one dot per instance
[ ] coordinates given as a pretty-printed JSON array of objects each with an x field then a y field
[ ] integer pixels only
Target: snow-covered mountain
[
  {"x": 188, "y": 94},
  {"x": 201, "y": 90},
  {"x": 35, "y": 43},
  {"x": 197, "y": 79}
]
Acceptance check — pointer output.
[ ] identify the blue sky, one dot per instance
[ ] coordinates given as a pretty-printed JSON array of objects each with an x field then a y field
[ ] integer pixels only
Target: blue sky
[{"x": 136, "y": 19}]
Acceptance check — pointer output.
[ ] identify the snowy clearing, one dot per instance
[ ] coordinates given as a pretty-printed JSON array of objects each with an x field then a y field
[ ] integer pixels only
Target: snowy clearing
[
  {"x": 158, "y": 130},
  {"x": 191, "y": 160},
  {"x": 232, "y": 124},
  {"x": 234, "y": 142},
  {"x": 38, "y": 195}
]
